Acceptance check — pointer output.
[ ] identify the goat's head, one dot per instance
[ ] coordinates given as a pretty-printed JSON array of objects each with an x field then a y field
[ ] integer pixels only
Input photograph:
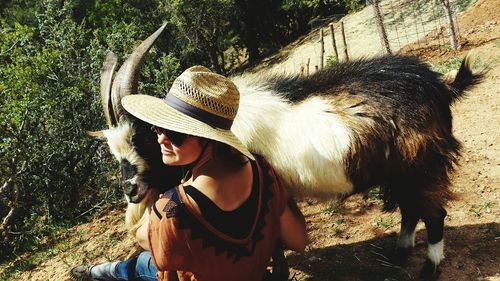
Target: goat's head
[{"x": 130, "y": 140}]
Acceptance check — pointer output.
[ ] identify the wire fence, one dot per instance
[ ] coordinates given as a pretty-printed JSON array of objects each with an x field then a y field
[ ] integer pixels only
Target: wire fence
[
  {"x": 384, "y": 26},
  {"x": 421, "y": 22}
]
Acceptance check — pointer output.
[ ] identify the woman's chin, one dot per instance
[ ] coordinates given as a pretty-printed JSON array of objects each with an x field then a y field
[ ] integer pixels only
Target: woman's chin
[{"x": 168, "y": 159}]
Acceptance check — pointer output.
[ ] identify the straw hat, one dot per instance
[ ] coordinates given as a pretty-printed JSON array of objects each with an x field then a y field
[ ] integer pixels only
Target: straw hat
[{"x": 200, "y": 103}]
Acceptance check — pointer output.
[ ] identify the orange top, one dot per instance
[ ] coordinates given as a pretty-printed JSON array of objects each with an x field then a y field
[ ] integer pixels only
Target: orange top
[{"x": 184, "y": 246}]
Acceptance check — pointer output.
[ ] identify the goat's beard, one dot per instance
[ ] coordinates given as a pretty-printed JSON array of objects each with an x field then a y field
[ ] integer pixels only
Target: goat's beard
[{"x": 137, "y": 214}]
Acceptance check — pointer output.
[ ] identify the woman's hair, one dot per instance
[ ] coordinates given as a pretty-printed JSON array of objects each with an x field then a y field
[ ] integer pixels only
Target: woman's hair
[{"x": 228, "y": 154}]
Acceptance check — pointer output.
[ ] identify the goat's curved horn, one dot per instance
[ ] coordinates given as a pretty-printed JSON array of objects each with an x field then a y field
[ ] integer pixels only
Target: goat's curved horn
[
  {"x": 107, "y": 71},
  {"x": 125, "y": 82}
]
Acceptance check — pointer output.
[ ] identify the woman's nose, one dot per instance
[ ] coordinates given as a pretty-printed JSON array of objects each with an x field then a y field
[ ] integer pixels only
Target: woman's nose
[{"x": 162, "y": 139}]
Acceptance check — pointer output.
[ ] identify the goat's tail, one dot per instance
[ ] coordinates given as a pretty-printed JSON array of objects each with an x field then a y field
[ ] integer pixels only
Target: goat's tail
[{"x": 464, "y": 80}]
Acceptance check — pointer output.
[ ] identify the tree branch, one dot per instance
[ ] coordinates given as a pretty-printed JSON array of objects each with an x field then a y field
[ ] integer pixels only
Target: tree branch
[
  {"x": 13, "y": 204},
  {"x": 15, "y": 201},
  {"x": 3, "y": 189}
]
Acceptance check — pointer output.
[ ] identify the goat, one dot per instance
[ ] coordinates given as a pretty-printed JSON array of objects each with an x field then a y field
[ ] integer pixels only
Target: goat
[
  {"x": 131, "y": 141},
  {"x": 383, "y": 121}
]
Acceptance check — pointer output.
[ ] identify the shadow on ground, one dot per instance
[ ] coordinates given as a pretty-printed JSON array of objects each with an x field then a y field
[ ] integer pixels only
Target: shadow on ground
[{"x": 466, "y": 246}]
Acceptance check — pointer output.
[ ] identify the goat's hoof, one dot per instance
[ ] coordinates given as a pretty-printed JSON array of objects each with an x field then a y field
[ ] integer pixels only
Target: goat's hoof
[
  {"x": 399, "y": 256},
  {"x": 268, "y": 276},
  {"x": 430, "y": 271}
]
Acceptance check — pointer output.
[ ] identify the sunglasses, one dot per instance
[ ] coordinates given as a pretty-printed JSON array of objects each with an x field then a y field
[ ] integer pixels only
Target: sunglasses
[{"x": 175, "y": 138}]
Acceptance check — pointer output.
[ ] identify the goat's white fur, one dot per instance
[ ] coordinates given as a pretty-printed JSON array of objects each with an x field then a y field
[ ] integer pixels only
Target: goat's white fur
[
  {"x": 120, "y": 145},
  {"x": 435, "y": 252},
  {"x": 406, "y": 238},
  {"x": 272, "y": 127},
  {"x": 282, "y": 133},
  {"x": 137, "y": 214}
]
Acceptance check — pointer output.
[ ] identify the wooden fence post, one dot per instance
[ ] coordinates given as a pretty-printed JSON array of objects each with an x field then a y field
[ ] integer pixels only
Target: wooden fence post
[
  {"x": 307, "y": 66},
  {"x": 381, "y": 28},
  {"x": 334, "y": 44},
  {"x": 322, "y": 51},
  {"x": 343, "y": 39},
  {"x": 451, "y": 27}
]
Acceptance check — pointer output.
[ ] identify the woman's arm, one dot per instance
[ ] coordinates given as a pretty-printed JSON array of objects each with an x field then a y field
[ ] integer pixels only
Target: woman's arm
[
  {"x": 293, "y": 227},
  {"x": 141, "y": 235}
]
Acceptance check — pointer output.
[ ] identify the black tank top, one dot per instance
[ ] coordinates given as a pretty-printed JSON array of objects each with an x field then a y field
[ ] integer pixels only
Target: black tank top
[{"x": 236, "y": 223}]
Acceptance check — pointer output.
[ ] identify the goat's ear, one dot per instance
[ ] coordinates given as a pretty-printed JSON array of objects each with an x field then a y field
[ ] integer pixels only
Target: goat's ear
[{"x": 96, "y": 134}]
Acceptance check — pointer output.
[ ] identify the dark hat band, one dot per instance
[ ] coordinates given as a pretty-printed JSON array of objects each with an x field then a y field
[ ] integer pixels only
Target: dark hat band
[{"x": 206, "y": 117}]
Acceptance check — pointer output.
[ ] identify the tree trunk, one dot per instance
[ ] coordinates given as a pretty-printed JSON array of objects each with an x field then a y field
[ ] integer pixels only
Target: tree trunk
[
  {"x": 14, "y": 203},
  {"x": 215, "y": 60},
  {"x": 249, "y": 14},
  {"x": 252, "y": 45}
]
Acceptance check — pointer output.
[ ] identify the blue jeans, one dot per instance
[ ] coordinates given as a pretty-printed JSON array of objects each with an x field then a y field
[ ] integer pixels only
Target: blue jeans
[{"x": 141, "y": 267}]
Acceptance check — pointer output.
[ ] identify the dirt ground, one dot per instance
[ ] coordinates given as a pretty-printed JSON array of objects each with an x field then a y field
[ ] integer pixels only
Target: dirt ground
[{"x": 350, "y": 242}]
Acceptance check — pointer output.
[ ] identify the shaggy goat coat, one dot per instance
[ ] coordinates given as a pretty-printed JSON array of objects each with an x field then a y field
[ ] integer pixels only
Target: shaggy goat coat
[{"x": 374, "y": 122}]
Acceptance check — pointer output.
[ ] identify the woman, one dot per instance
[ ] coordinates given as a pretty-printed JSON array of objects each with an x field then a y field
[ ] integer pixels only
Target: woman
[{"x": 225, "y": 219}]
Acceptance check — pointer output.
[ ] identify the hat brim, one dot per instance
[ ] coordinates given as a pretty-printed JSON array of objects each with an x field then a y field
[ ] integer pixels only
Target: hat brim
[{"x": 156, "y": 112}]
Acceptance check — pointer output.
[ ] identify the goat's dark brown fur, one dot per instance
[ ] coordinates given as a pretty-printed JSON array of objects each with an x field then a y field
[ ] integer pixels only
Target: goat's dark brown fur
[{"x": 398, "y": 111}]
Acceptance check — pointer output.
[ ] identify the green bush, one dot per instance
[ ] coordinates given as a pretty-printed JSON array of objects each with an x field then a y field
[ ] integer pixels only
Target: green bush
[
  {"x": 331, "y": 61},
  {"x": 47, "y": 102},
  {"x": 49, "y": 80},
  {"x": 51, "y": 53}
]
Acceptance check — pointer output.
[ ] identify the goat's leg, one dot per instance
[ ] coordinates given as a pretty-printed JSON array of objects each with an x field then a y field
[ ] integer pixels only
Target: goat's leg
[
  {"x": 409, "y": 207},
  {"x": 406, "y": 239},
  {"x": 280, "y": 270},
  {"x": 434, "y": 223},
  {"x": 280, "y": 265}
]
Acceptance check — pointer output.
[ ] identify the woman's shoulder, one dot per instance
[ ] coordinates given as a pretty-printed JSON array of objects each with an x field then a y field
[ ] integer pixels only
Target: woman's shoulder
[
  {"x": 267, "y": 172},
  {"x": 167, "y": 203},
  {"x": 272, "y": 182},
  {"x": 261, "y": 163}
]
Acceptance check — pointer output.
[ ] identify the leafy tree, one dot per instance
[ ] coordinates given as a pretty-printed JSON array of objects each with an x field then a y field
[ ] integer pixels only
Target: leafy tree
[
  {"x": 203, "y": 29},
  {"x": 260, "y": 25},
  {"x": 264, "y": 26},
  {"x": 19, "y": 10},
  {"x": 44, "y": 115},
  {"x": 50, "y": 170}
]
